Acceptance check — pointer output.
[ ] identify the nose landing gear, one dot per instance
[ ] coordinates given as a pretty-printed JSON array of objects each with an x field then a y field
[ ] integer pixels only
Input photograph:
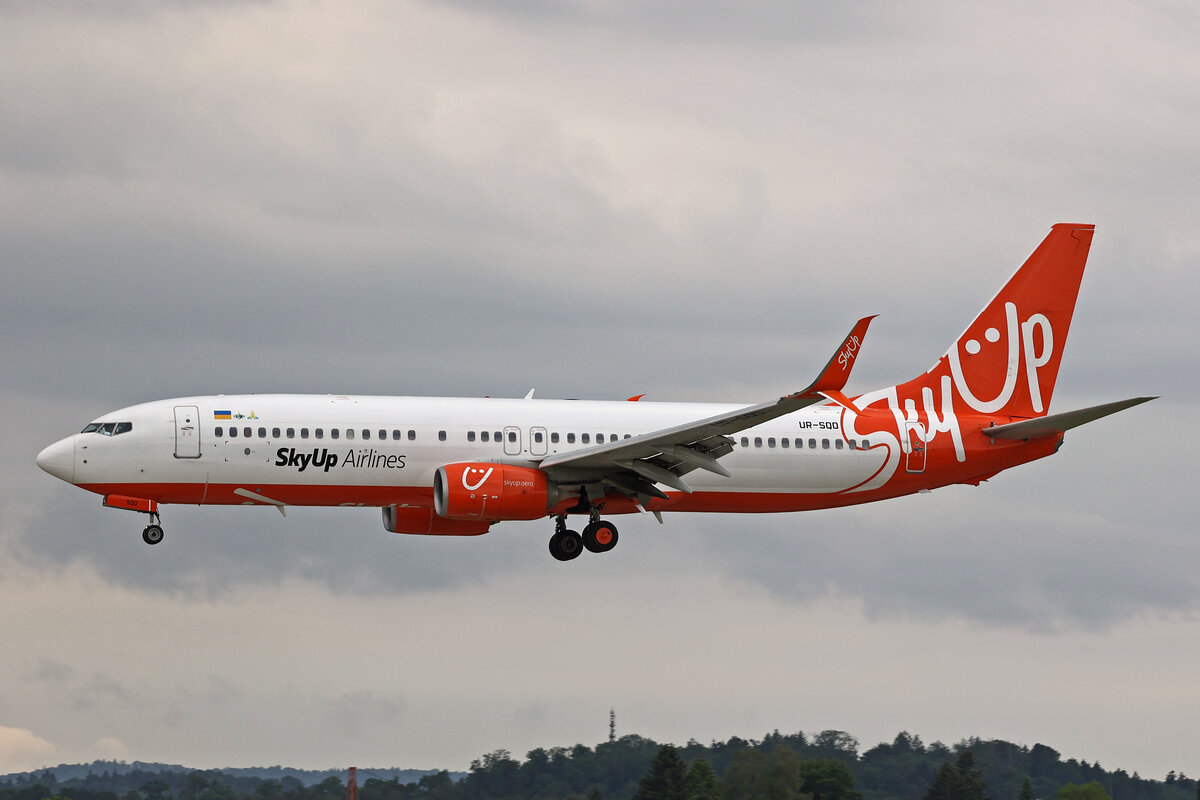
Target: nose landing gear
[{"x": 153, "y": 533}]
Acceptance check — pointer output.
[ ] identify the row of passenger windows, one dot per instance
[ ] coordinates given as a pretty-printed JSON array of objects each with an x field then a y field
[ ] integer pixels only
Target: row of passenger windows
[
  {"x": 318, "y": 433},
  {"x": 539, "y": 436},
  {"x": 785, "y": 443},
  {"x": 108, "y": 428},
  {"x": 395, "y": 434}
]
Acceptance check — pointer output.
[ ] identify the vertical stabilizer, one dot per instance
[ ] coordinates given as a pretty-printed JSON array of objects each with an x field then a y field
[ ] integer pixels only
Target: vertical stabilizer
[{"x": 1006, "y": 361}]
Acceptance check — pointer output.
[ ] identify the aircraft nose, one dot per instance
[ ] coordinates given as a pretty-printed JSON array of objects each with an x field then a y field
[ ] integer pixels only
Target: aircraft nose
[{"x": 59, "y": 459}]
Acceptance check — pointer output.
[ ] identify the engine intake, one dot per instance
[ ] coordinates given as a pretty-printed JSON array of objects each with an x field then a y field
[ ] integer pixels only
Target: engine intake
[{"x": 491, "y": 492}]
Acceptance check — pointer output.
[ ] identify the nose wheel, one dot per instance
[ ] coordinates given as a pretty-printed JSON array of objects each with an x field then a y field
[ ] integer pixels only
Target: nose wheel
[{"x": 153, "y": 534}]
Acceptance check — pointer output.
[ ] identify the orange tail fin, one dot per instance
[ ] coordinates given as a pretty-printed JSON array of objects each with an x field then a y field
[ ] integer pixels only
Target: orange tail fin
[{"x": 1006, "y": 361}]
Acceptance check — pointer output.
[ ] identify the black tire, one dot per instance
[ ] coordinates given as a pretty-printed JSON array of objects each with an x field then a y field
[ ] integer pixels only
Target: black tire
[
  {"x": 153, "y": 534},
  {"x": 566, "y": 545},
  {"x": 600, "y": 536}
]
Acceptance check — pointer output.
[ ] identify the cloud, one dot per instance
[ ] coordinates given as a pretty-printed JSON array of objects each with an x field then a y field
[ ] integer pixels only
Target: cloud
[{"x": 21, "y": 750}]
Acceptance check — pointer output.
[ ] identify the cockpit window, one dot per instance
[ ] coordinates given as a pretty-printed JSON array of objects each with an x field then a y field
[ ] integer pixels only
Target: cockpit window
[{"x": 108, "y": 428}]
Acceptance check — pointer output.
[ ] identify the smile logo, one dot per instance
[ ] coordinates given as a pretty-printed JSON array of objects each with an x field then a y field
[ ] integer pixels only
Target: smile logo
[{"x": 474, "y": 471}]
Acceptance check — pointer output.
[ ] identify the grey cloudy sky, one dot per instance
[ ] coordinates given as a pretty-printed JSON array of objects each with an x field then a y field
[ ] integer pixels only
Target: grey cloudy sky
[{"x": 600, "y": 199}]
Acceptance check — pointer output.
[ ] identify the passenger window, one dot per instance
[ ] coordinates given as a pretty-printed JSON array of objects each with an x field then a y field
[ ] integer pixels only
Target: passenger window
[
  {"x": 233, "y": 433},
  {"x": 396, "y": 435},
  {"x": 628, "y": 436},
  {"x": 570, "y": 438},
  {"x": 758, "y": 441},
  {"x": 262, "y": 433},
  {"x": 441, "y": 436},
  {"x": 412, "y": 436},
  {"x": 812, "y": 444},
  {"x": 349, "y": 433},
  {"x": 366, "y": 433},
  {"x": 866, "y": 445},
  {"x": 470, "y": 436},
  {"x": 783, "y": 442},
  {"x": 319, "y": 433},
  {"x": 554, "y": 438},
  {"x": 219, "y": 431},
  {"x": 123, "y": 427},
  {"x": 334, "y": 433},
  {"x": 585, "y": 438},
  {"x": 537, "y": 437},
  {"x": 512, "y": 436},
  {"x": 382, "y": 434},
  {"x": 853, "y": 445},
  {"x": 824, "y": 444},
  {"x": 274, "y": 433},
  {"x": 771, "y": 441},
  {"x": 304, "y": 433},
  {"x": 484, "y": 436},
  {"x": 745, "y": 441},
  {"x": 837, "y": 443}
]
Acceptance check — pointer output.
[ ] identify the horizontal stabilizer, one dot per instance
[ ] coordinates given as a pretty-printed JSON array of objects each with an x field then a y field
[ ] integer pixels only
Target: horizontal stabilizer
[{"x": 1055, "y": 424}]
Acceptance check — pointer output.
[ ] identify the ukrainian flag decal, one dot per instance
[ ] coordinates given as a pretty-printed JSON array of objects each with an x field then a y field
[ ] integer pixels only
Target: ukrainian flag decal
[{"x": 222, "y": 415}]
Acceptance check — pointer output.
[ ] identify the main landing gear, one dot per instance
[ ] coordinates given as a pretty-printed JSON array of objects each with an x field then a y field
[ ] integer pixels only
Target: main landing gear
[{"x": 599, "y": 536}]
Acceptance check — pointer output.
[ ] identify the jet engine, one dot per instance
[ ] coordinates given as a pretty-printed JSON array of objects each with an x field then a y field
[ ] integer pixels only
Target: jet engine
[{"x": 491, "y": 492}]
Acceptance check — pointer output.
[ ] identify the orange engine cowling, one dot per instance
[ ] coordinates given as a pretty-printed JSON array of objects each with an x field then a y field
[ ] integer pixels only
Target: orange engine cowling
[
  {"x": 491, "y": 492},
  {"x": 423, "y": 520}
]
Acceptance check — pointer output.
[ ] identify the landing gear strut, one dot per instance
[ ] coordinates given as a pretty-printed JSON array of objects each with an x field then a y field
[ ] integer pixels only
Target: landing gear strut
[{"x": 599, "y": 536}]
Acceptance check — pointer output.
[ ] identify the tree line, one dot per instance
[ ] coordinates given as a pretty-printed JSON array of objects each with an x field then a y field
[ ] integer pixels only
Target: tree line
[{"x": 823, "y": 766}]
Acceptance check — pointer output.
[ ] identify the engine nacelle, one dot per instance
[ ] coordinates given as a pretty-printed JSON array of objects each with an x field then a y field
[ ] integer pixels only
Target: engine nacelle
[
  {"x": 491, "y": 492},
  {"x": 424, "y": 521}
]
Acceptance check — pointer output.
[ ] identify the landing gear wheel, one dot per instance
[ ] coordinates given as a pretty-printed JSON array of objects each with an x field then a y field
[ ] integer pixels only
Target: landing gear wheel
[
  {"x": 153, "y": 534},
  {"x": 566, "y": 545},
  {"x": 600, "y": 536}
]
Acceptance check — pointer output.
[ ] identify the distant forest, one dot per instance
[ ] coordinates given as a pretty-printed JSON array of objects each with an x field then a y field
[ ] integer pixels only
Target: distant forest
[{"x": 823, "y": 766}]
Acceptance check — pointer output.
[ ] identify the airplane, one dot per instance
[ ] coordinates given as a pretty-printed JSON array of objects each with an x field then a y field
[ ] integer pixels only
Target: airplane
[{"x": 456, "y": 466}]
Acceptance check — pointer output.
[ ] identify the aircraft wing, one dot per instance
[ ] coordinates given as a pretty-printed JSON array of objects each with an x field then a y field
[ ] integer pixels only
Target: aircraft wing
[
  {"x": 1054, "y": 424},
  {"x": 635, "y": 464}
]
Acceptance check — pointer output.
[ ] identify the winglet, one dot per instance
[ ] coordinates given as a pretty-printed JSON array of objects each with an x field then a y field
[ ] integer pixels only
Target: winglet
[{"x": 837, "y": 372}]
